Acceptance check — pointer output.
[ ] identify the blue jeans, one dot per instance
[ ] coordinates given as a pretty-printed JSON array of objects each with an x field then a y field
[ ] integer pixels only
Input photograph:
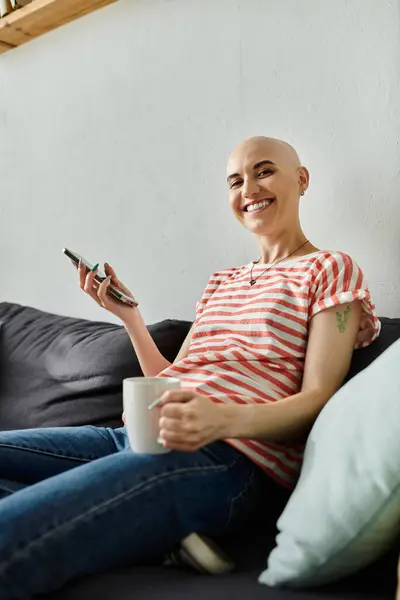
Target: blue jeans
[{"x": 77, "y": 500}]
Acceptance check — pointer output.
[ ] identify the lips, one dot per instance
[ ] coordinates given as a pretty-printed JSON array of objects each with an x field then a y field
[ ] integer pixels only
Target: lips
[{"x": 258, "y": 206}]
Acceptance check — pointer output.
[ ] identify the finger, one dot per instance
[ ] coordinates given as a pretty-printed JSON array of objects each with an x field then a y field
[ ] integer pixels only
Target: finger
[
  {"x": 93, "y": 294},
  {"x": 173, "y": 425},
  {"x": 102, "y": 290},
  {"x": 115, "y": 281},
  {"x": 91, "y": 287},
  {"x": 110, "y": 271},
  {"x": 177, "y": 396},
  {"x": 172, "y": 437},
  {"x": 176, "y": 410},
  {"x": 175, "y": 431},
  {"x": 181, "y": 446},
  {"x": 82, "y": 274},
  {"x": 89, "y": 281}
]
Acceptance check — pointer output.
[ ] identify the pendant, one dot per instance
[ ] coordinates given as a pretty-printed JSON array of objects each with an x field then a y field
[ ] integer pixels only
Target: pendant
[{"x": 253, "y": 281}]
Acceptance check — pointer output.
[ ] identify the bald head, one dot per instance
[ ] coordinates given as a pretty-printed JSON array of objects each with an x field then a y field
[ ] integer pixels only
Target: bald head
[
  {"x": 279, "y": 150},
  {"x": 265, "y": 168}
]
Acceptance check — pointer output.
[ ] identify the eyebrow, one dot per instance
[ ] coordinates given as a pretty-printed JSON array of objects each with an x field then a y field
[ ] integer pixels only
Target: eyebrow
[{"x": 261, "y": 163}]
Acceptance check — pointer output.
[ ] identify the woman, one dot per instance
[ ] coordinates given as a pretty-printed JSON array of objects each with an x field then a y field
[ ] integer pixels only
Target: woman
[{"x": 272, "y": 341}]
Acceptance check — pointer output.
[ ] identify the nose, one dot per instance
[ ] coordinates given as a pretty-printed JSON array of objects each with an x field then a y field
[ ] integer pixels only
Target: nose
[{"x": 250, "y": 188}]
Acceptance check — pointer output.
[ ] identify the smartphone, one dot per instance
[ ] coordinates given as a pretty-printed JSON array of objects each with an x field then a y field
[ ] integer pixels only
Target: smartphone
[{"x": 99, "y": 277}]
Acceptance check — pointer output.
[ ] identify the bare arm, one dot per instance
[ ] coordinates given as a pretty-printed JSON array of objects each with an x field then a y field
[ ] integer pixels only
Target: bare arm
[
  {"x": 150, "y": 358},
  {"x": 332, "y": 336},
  {"x": 184, "y": 351}
]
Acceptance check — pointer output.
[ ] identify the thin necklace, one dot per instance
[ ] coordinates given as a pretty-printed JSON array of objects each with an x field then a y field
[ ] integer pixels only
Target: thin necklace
[{"x": 253, "y": 281}]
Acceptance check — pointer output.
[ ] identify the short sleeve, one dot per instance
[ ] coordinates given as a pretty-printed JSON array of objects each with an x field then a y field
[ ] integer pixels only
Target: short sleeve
[{"x": 338, "y": 280}]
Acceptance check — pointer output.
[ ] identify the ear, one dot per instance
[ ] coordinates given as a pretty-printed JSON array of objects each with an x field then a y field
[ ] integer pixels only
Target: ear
[{"x": 304, "y": 178}]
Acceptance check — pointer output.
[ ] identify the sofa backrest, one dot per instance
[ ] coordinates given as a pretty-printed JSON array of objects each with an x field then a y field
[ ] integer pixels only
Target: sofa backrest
[
  {"x": 61, "y": 371},
  {"x": 58, "y": 371},
  {"x": 390, "y": 332}
]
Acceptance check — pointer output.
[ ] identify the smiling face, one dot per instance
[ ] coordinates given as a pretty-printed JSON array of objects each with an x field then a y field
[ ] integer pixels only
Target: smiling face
[{"x": 265, "y": 180}]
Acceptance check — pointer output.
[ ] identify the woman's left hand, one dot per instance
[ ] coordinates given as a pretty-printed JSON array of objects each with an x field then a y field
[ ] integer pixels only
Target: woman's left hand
[{"x": 189, "y": 420}]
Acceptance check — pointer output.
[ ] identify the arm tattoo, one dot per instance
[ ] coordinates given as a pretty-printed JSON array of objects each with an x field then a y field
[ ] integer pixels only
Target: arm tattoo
[{"x": 342, "y": 320}]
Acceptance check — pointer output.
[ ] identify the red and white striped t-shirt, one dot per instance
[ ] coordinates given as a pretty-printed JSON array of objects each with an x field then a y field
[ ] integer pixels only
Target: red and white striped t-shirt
[{"x": 249, "y": 342}]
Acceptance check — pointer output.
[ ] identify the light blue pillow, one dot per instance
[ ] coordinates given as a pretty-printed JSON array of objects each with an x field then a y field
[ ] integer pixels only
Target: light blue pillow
[{"x": 345, "y": 510}]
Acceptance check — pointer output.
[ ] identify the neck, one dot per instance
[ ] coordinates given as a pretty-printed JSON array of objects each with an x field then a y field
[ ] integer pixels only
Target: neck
[{"x": 276, "y": 247}]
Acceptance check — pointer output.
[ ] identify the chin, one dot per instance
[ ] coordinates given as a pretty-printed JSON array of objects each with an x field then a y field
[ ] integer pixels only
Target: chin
[{"x": 260, "y": 228}]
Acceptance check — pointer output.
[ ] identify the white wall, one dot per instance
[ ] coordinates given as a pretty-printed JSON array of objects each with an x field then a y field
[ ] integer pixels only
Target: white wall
[{"x": 114, "y": 132}]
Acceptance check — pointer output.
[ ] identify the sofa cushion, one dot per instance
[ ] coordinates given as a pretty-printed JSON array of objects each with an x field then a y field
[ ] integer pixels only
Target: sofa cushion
[
  {"x": 60, "y": 371},
  {"x": 345, "y": 510},
  {"x": 158, "y": 583}
]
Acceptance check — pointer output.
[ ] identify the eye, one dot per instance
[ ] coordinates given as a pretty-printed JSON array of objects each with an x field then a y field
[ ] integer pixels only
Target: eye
[
  {"x": 235, "y": 183},
  {"x": 264, "y": 173}
]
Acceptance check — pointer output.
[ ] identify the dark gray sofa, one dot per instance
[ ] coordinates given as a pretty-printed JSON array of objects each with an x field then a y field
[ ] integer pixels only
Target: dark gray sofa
[{"x": 58, "y": 371}]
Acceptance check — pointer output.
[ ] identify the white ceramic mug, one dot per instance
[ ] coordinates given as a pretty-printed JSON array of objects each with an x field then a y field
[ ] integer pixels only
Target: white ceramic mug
[{"x": 142, "y": 424}]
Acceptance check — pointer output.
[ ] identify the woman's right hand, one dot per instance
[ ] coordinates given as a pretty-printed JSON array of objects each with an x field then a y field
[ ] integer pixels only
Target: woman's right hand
[{"x": 99, "y": 291}]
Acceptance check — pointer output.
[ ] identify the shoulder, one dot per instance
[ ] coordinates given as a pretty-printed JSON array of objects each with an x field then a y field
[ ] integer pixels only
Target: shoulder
[
  {"x": 338, "y": 279},
  {"x": 331, "y": 263},
  {"x": 327, "y": 257}
]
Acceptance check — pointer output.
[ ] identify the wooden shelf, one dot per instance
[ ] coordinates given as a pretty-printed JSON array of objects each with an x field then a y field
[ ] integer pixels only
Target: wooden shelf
[{"x": 42, "y": 16}]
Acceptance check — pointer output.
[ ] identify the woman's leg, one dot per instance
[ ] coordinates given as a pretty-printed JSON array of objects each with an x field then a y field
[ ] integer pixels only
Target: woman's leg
[
  {"x": 31, "y": 455},
  {"x": 121, "y": 509}
]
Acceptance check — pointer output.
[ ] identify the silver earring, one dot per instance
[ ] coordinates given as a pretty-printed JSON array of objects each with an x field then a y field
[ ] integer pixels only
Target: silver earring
[{"x": 302, "y": 193}]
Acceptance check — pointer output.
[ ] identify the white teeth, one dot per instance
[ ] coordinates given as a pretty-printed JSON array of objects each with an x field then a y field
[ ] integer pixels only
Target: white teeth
[{"x": 258, "y": 205}]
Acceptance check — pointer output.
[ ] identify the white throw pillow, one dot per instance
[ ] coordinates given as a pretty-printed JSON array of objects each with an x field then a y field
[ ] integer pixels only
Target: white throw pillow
[{"x": 345, "y": 510}]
